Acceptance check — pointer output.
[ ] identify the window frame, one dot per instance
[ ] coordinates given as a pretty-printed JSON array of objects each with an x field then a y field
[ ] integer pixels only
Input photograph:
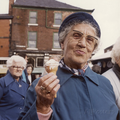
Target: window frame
[
  {"x": 37, "y": 61},
  {"x": 31, "y": 40},
  {"x": 32, "y": 17},
  {"x": 55, "y": 40},
  {"x": 57, "y": 19}
]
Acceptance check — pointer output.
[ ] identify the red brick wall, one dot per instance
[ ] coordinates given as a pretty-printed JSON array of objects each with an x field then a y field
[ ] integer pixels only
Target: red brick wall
[
  {"x": 10, "y": 7},
  {"x": 4, "y": 38}
]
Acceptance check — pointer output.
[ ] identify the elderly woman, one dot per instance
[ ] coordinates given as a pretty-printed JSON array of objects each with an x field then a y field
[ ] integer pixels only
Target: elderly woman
[
  {"x": 81, "y": 93},
  {"x": 113, "y": 74},
  {"x": 12, "y": 89}
]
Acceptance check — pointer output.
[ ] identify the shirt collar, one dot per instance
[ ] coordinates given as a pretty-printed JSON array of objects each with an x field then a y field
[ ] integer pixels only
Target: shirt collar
[{"x": 65, "y": 73}]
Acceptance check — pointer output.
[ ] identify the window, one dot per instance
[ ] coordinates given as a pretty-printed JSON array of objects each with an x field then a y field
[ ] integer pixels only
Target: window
[
  {"x": 3, "y": 61},
  {"x": 58, "y": 18},
  {"x": 40, "y": 61},
  {"x": 33, "y": 17},
  {"x": 32, "y": 38},
  {"x": 55, "y": 41}
]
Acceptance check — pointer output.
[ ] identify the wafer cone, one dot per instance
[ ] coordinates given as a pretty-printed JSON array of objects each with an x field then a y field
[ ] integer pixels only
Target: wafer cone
[{"x": 54, "y": 70}]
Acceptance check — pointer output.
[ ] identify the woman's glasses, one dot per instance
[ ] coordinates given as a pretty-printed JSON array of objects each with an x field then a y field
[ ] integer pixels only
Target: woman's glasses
[
  {"x": 77, "y": 35},
  {"x": 17, "y": 67}
]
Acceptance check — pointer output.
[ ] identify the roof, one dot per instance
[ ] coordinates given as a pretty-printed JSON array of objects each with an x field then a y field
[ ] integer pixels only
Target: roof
[
  {"x": 4, "y": 58},
  {"x": 47, "y": 4},
  {"x": 103, "y": 56},
  {"x": 5, "y": 16}
]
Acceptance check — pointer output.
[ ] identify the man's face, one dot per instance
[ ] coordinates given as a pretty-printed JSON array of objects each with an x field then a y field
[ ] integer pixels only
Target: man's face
[
  {"x": 16, "y": 69},
  {"x": 79, "y": 45}
]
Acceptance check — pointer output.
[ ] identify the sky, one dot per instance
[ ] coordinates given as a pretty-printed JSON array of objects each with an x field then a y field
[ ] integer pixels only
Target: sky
[{"x": 106, "y": 13}]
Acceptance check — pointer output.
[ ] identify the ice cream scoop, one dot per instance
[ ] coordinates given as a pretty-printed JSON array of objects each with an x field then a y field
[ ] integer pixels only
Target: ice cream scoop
[{"x": 51, "y": 66}]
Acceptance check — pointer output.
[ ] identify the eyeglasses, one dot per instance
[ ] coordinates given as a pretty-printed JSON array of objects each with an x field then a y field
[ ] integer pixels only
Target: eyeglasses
[
  {"x": 77, "y": 35},
  {"x": 17, "y": 67}
]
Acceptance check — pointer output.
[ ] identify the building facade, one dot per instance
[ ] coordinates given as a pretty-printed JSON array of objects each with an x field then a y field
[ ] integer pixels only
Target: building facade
[{"x": 35, "y": 28}]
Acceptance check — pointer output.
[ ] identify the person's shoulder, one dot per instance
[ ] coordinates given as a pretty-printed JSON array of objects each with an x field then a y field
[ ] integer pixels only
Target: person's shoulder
[
  {"x": 108, "y": 72},
  {"x": 2, "y": 79},
  {"x": 105, "y": 86},
  {"x": 104, "y": 82}
]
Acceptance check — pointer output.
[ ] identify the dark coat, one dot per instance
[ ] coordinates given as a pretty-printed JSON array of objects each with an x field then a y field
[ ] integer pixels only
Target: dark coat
[
  {"x": 12, "y": 95},
  {"x": 88, "y": 97}
]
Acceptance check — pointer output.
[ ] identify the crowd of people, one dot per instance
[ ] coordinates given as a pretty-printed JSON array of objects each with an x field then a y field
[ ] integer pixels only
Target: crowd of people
[{"x": 82, "y": 92}]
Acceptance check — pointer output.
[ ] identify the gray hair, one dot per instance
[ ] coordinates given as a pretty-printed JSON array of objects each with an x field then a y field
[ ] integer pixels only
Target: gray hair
[
  {"x": 64, "y": 33},
  {"x": 115, "y": 54},
  {"x": 16, "y": 58}
]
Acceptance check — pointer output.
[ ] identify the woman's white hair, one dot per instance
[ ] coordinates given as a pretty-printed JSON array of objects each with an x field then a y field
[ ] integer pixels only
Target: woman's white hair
[
  {"x": 115, "y": 54},
  {"x": 16, "y": 58}
]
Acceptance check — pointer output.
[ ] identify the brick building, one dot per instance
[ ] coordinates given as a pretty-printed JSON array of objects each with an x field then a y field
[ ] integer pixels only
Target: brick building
[
  {"x": 5, "y": 36},
  {"x": 35, "y": 28},
  {"x": 5, "y": 26}
]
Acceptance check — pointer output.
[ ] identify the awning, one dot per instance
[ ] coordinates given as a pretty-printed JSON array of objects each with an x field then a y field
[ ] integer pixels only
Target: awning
[
  {"x": 4, "y": 58},
  {"x": 38, "y": 70},
  {"x": 3, "y": 70},
  {"x": 103, "y": 56}
]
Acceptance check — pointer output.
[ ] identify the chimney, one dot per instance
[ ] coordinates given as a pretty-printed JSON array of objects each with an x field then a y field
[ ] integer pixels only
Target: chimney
[{"x": 11, "y": 2}]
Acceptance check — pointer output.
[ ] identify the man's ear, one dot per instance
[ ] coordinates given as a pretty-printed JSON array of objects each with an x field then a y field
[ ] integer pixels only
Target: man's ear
[{"x": 62, "y": 46}]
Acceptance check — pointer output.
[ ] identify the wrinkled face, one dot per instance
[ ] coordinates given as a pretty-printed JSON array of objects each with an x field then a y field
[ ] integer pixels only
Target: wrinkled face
[
  {"x": 16, "y": 69},
  {"x": 79, "y": 45},
  {"x": 29, "y": 70}
]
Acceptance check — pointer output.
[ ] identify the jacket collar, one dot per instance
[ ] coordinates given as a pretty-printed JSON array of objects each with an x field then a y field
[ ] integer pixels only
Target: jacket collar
[
  {"x": 64, "y": 75},
  {"x": 8, "y": 79},
  {"x": 93, "y": 77}
]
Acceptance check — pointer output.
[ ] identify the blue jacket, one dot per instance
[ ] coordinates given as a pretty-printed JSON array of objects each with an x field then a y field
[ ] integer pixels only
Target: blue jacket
[
  {"x": 88, "y": 97},
  {"x": 11, "y": 97}
]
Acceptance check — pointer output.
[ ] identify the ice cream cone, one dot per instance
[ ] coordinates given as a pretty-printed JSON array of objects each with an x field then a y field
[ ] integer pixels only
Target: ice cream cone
[
  {"x": 54, "y": 70},
  {"x": 52, "y": 66}
]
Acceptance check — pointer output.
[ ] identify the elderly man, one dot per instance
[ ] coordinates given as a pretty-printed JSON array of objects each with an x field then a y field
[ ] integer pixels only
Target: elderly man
[
  {"x": 81, "y": 93},
  {"x": 113, "y": 74},
  {"x": 12, "y": 89}
]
